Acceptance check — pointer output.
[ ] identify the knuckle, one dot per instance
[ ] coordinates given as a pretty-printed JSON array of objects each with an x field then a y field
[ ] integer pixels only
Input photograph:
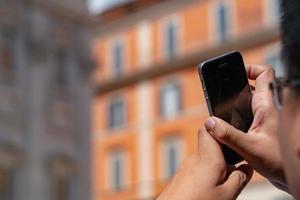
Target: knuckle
[
  {"x": 265, "y": 107},
  {"x": 241, "y": 177},
  {"x": 264, "y": 67},
  {"x": 225, "y": 134},
  {"x": 270, "y": 71}
]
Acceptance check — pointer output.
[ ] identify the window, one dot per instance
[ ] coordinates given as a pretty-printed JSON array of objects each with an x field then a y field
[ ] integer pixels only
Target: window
[
  {"x": 118, "y": 58},
  {"x": 171, "y": 156},
  {"x": 275, "y": 62},
  {"x": 170, "y": 100},
  {"x": 275, "y": 10},
  {"x": 117, "y": 167},
  {"x": 6, "y": 184},
  {"x": 62, "y": 188},
  {"x": 61, "y": 70},
  {"x": 7, "y": 53},
  {"x": 171, "y": 39},
  {"x": 222, "y": 22},
  {"x": 116, "y": 113},
  {"x": 62, "y": 175},
  {"x": 60, "y": 75}
]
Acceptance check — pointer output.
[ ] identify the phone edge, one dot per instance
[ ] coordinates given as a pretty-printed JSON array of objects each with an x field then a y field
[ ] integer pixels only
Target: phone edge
[{"x": 204, "y": 88}]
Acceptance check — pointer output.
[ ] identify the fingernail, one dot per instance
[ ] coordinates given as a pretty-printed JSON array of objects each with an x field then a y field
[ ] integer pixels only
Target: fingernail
[
  {"x": 210, "y": 124},
  {"x": 243, "y": 177},
  {"x": 247, "y": 171}
]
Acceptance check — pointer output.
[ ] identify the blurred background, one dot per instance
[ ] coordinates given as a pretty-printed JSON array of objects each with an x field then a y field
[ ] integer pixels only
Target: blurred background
[{"x": 101, "y": 99}]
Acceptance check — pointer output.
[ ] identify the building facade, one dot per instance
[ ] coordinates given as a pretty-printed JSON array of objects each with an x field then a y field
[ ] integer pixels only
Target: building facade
[
  {"x": 44, "y": 101},
  {"x": 149, "y": 102}
]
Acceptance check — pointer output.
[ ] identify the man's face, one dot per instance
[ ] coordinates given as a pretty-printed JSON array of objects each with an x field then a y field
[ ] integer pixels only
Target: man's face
[{"x": 289, "y": 138}]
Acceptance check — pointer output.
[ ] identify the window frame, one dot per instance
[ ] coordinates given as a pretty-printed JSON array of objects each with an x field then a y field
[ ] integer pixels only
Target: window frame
[
  {"x": 271, "y": 17},
  {"x": 170, "y": 140},
  {"x": 115, "y": 42},
  {"x": 114, "y": 100},
  {"x": 170, "y": 53},
  {"x": 162, "y": 91},
  {"x": 217, "y": 8},
  {"x": 61, "y": 76},
  {"x": 213, "y": 37},
  {"x": 11, "y": 185},
  {"x": 177, "y": 21},
  {"x": 58, "y": 191},
  {"x": 276, "y": 11},
  {"x": 119, "y": 155},
  {"x": 273, "y": 51},
  {"x": 8, "y": 38}
]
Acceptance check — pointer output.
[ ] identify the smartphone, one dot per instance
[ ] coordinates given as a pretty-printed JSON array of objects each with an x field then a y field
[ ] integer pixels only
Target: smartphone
[{"x": 228, "y": 94}]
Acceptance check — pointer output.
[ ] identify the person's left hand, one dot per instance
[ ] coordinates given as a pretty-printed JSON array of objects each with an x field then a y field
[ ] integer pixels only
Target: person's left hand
[{"x": 206, "y": 176}]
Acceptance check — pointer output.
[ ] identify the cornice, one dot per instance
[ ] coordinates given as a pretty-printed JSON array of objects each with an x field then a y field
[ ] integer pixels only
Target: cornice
[{"x": 251, "y": 40}]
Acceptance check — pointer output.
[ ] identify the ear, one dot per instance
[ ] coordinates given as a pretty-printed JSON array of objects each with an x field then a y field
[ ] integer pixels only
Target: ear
[
  {"x": 292, "y": 135},
  {"x": 289, "y": 130}
]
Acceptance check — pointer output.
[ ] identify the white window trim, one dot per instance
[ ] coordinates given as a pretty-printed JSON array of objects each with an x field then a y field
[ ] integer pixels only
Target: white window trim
[
  {"x": 177, "y": 20},
  {"x": 165, "y": 83},
  {"x": 163, "y": 148},
  {"x": 125, "y": 171},
  {"x": 269, "y": 18},
  {"x": 145, "y": 32},
  {"x": 273, "y": 50},
  {"x": 213, "y": 24},
  {"x": 124, "y": 41}
]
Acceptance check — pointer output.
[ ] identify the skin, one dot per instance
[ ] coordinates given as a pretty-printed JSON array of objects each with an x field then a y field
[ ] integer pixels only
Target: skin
[
  {"x": 290, "y": 140},
  {"x": 260, "y": 146},
  {"x": 206, "y": 176}
]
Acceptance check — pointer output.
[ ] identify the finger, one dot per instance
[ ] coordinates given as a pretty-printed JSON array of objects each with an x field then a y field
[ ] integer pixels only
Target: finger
[
  {"x": 208, "y": 147},
  {"x": 262, "y": 75},
  {"x": 236, "y": 181},
  {"x": 227, "y": 134},
  {"x": 230, "y": 169},
  {"x": 253, "y": 71}
]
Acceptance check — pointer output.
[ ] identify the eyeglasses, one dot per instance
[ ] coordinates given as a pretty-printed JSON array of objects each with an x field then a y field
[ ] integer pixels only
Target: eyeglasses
[{"x": 277, "y": 86}]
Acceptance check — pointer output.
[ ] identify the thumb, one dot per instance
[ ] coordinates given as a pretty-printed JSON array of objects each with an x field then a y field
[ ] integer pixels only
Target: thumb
[
  {"x": 225, "y": 133},
  {"x": 236, "y": 181},
  {"x": 208, "y": 147}
]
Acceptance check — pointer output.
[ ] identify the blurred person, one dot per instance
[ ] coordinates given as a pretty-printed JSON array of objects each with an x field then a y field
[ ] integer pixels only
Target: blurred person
[{"x": 272, "y": 144}]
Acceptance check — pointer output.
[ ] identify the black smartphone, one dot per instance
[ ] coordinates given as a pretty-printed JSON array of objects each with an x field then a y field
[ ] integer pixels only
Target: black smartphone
[{"x": 228, "y": 94}]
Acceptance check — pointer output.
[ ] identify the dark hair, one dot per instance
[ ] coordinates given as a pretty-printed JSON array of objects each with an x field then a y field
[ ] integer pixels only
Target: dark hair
[{"x": 290, "y": 27}]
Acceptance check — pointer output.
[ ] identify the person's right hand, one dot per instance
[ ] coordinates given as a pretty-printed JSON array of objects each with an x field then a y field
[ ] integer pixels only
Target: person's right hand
[{"x": 259, "y": 147}]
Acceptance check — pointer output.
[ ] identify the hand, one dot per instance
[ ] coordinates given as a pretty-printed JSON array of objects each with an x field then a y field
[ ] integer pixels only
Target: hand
[
  {"x": 260, "y": 146},
  {"x": 205, "y": 176}
]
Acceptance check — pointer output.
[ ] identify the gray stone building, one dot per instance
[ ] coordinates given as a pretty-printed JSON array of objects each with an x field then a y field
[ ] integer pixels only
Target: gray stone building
[{"x": 44, "y": 100}]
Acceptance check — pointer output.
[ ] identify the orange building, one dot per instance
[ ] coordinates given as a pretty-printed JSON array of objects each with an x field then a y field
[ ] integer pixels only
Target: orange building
[{"x": 149, "y": 102}]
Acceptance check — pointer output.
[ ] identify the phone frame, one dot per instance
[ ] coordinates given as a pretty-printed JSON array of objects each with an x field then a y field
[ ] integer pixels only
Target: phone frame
[
  {"x": 211, "y": 113},
  {"x": 200, "y": 72}
]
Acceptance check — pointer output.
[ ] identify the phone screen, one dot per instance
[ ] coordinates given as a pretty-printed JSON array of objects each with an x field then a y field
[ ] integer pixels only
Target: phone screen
[{"x": 228, "y": 93}]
